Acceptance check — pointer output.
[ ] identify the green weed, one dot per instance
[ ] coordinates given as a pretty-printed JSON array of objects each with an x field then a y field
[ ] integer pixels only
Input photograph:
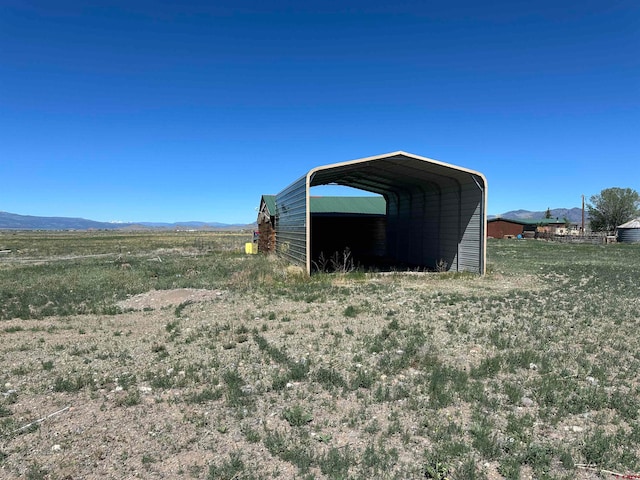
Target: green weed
[
  {"x": 73, "y": 383},
  {"x": 330, "y": 378},
  {"x": 297, "y": 416},
  {"x": 336, "y": 462},
  {"x": 131, "y": 399},
  {"x": 351, "y": 311}
]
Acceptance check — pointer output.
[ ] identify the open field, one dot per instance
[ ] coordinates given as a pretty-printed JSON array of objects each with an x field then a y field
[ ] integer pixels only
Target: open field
[{"x": 174, "y": 355}]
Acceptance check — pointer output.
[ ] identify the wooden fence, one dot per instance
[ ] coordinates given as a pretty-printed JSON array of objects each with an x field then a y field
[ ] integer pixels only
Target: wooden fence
[{"x": 593, "y": 238}]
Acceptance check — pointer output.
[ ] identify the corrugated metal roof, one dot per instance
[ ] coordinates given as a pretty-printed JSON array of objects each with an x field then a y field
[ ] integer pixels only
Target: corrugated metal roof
[
  {"x": 530, "y": 221},
  {"x": 355, "y": 205},
  {"x": 635, "y": 223},
  {"x": 396, "y": 172},
  {"x": 371, "y": 205},
  {"x": 270, "y": 201}
]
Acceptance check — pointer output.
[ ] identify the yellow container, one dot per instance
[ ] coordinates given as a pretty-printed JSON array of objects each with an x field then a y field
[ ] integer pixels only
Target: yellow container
[{"x": 250, "y": 248}]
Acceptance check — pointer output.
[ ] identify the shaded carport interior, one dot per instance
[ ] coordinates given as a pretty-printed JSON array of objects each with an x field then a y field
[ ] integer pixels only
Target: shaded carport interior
[
  {"x": 356, "y": 225},
  {"x": 435, "y": 212}
]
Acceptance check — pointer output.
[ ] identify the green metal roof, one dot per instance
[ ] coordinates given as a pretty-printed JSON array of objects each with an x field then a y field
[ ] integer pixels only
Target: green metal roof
[
  {"x": 270, "y": 200},
  {"x": 530, "y": 221},
  {"x": 371, "y": 205},
  {"x": 345, "y": 205}
]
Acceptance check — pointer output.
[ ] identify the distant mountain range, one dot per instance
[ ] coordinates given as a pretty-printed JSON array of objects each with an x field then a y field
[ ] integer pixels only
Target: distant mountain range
[
  {"x": 13, "y": 221},
  {"x": 573, "y": 215}
]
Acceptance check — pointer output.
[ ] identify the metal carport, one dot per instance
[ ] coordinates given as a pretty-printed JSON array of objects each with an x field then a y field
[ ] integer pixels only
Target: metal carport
[{"x": 436, "y": 212}]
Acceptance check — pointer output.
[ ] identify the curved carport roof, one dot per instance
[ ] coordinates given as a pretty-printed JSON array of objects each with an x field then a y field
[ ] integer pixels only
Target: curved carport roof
[{"x": 436, "y": 212}]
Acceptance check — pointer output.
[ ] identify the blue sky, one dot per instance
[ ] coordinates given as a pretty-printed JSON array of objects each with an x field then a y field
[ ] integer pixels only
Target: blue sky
[{"x": 190, "y": 110}]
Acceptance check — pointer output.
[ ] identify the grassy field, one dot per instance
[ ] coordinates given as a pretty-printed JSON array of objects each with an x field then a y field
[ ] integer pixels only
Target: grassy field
[{"x": 174, "y": 355}]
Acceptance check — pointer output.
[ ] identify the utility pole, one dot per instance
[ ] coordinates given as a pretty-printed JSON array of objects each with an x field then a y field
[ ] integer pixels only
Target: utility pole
[{"x": 583, "y": 214}]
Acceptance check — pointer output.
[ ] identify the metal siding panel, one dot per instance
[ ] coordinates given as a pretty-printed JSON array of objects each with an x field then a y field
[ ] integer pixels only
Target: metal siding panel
[
  {"x": 392, "y": 225},
  {"x": 430, "y": 246},
  {"x": 427, "y": 207},
  {"x": 291, "y": 222},
  {"x": 450, "y": 227},
  {"x": 403, "y": 240},
  {"x": 471, "y": 220},
  {"x": 629, "y": 235},
  {"x": 417, "y": 227},
  {"x": 416, "y": 217}
]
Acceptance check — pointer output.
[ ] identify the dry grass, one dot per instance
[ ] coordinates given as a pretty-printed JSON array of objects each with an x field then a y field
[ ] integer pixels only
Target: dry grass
[{"x": 522, "y": 373}]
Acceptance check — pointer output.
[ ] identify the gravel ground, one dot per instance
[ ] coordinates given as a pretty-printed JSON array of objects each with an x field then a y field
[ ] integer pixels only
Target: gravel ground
[{"x": 143, "y": 394}]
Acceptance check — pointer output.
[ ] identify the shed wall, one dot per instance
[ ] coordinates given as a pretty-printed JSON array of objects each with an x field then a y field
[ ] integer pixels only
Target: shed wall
[
  {"x": 291, "y": 222},
  {"x": 266, "y": 238},
  {"x": 500, "y": 228}
]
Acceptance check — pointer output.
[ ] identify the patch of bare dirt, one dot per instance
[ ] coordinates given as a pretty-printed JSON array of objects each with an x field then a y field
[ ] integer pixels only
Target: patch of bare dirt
[{"x": 156, "y": 299}]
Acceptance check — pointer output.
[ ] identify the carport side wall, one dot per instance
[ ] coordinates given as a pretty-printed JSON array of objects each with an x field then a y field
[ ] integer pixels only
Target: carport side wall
[
  {"x": 473, "y": 228},
  {"x": 429, "y": 227},
  {"x": 463, "y": 226},
  {"x": 291, "y": 222}
]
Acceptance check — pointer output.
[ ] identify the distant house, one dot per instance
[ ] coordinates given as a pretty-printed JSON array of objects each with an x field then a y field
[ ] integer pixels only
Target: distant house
[
  {"x": 504, "y": 227},
  {"x": 510, "y": 228}
]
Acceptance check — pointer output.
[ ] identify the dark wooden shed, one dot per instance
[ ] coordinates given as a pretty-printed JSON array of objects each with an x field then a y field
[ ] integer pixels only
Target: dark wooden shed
[{"x": 266, "y": 224}]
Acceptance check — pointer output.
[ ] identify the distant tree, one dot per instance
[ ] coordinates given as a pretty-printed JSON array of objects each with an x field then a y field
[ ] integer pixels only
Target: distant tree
[
  {"x": 612, "y": 207},
  {"x": 547, "y": 214}
]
